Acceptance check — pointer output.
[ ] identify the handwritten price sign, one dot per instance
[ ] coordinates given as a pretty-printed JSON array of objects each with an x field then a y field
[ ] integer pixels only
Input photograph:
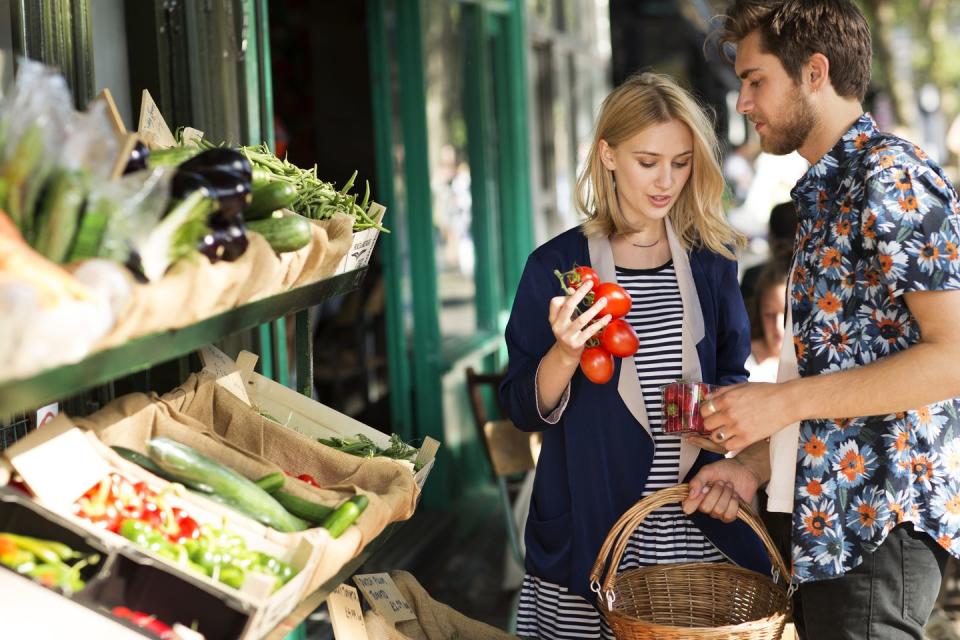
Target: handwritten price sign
[{"x": 383, "y": 595}]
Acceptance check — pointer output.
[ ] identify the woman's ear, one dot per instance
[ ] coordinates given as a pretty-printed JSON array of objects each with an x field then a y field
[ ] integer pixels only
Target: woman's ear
[{"x": 606, "y": 155}]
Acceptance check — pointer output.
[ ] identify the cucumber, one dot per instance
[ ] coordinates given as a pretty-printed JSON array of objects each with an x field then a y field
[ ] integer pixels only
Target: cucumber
[
  {"x": 271, "y": 482},
  {"x": 310, "y": 511},
  {"x": 194, "y": 469},
  {"x": 269, "y": 197},
  {"x": 139, "y": 459},
  {"x": 284, "y": 232},
  {"x": 345, "y": 515}
]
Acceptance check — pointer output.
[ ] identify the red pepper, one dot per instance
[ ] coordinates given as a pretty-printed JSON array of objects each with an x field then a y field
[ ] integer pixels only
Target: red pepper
[
  {"x": 309, "y": 479},
  {"x": 98, "y": 505},
  {"x": 145, "y": 621}
]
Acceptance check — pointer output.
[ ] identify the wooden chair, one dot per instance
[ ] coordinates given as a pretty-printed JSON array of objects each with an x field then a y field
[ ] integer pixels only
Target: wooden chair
[{"x": 511, "y": 452}]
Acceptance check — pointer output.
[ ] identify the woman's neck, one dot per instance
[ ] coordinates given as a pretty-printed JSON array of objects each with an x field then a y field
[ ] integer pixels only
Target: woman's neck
[{"x": 761, "y": 350}]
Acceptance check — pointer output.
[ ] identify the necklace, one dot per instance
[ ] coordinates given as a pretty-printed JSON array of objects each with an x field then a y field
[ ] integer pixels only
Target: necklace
[{"x": 646, "y": 246}]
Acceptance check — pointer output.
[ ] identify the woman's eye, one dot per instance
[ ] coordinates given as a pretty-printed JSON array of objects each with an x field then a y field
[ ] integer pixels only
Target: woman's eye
[
  {"x": 680, "y": 165},
  {"x": 648, "y": 165}
]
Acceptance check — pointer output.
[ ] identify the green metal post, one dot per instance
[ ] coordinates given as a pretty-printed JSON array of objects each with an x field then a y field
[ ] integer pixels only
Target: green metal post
[
  {"x": 304, "y": 339},
  {"x": 478, "y": 90},
  {"x": 426, "y": 312},
  {"x": 519, "y": 241},
  {"x": 398, "y": 364}
]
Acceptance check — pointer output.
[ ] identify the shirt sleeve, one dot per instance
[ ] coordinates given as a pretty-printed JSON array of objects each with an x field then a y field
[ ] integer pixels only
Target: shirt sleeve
[
  {"x": 911, "y": 219},
  {"x": 554, "y": 416}
]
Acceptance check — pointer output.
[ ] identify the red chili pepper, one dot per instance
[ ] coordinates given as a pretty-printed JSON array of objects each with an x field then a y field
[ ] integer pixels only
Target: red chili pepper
[
  {"x": 309, "y": 479},
  {"x": 189, "y": 529}
]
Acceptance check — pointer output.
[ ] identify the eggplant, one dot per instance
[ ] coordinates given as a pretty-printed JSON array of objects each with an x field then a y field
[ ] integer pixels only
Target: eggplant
[
  {"x": 219, "y": 159},
  {"x": 226, "y": 240},
  {"x": 184, "y": 183},
  {"x": 138, "y": 158},
  {"x": 231, "y": 189}
]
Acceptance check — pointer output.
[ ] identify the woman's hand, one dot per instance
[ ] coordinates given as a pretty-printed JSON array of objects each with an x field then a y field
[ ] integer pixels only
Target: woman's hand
[{"x": 572, "y": 331}]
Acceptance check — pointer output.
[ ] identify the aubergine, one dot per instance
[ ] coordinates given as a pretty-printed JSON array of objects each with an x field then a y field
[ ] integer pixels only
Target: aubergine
[
  {"x": 219, "y": 159},
  {"x": 138, "y": 158},
  {"x": 226, "y": 239}
]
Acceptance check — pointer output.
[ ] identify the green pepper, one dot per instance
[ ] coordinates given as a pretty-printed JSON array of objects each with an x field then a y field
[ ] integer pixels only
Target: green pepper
[
  {"x": 20, "y": 560},
  {"x": 58, "y": 576},
  {"x": 232, "y": 575}
]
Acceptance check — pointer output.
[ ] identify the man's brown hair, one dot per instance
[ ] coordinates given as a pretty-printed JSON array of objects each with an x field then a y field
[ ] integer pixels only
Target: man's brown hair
[{"x": 794, "y": 30}]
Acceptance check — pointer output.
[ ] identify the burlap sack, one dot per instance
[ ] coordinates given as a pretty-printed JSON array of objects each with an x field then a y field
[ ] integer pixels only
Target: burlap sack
[
  {"x": 196, "y": 289},
  {"x": 389, "y": 486},
  {"x": 332, "y": 240},
  {"x": 435, "y": 620}
]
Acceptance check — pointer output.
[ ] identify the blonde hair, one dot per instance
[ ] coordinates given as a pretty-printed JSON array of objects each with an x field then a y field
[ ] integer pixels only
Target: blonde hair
[{"x": 697, "y": 216}]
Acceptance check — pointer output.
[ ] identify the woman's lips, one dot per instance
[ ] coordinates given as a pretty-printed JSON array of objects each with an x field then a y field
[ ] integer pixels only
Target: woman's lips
[{"x": 659, "y": 201}]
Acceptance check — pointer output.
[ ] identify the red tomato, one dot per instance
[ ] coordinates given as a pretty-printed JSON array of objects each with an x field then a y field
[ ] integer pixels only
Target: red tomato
[
  {"x": 582, "y": 275},
  {"x": 620, "y": 339},
  {"x": 597, "y": 365},
  {"x": 618, "y": 300}
]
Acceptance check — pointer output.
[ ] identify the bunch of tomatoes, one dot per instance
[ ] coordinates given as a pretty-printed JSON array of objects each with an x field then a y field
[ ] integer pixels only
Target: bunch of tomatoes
[{"x": 618, "y": 338}]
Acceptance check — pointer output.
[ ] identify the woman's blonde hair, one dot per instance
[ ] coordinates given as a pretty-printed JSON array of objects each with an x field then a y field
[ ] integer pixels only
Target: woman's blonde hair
[{"x": 697, "y": 216}]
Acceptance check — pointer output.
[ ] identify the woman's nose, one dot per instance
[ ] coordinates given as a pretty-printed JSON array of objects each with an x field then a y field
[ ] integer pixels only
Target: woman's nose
[{"x": 664, "y": 178}]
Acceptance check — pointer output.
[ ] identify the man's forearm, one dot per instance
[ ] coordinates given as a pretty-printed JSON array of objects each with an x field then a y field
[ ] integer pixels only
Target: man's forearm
[{"x": 920, "y": 375}]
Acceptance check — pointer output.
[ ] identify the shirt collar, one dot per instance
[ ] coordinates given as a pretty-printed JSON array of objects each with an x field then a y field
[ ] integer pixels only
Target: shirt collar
[{"x": 827, "y": 169}]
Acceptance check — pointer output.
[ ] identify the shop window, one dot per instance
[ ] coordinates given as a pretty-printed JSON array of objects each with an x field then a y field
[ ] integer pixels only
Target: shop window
[{"x": 450, "y": 169}]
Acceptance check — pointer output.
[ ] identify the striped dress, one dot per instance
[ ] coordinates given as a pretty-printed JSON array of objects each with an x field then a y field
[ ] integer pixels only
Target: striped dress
[{"x": 548, "y": 611}]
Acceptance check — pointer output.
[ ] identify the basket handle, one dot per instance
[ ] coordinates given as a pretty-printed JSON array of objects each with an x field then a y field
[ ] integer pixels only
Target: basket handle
[{"x": 620, "y": 534}]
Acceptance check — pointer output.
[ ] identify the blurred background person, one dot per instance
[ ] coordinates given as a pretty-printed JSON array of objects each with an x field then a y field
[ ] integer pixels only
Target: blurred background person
[{"x": 781, "y": 231}]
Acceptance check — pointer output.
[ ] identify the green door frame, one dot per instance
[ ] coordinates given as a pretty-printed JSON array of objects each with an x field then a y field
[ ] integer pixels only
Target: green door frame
[{"x": 502, "y": 241}]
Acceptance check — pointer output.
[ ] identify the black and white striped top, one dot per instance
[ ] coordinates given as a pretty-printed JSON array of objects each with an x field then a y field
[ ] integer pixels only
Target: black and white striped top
[{"x": 549, "y": 611}]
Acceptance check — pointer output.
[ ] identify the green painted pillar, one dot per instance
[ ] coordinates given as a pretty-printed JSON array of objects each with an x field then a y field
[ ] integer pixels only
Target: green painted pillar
[
  {"x": 427, "y": 347},
  {"x": 517, "y": 234},
  {"x": 398, "y": 358}
]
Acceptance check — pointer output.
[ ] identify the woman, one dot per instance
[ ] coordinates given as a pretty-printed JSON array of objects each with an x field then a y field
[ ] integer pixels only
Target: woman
[
  {"x": 767, "y": 308},
  {"x": 651, "y": 191}
]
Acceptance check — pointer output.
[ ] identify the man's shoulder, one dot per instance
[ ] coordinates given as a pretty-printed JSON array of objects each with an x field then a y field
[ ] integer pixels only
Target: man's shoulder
[{"x": 889, "y": 154}]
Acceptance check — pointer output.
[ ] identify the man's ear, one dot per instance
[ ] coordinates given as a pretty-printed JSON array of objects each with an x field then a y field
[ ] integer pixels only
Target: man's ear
[
  {"x": 817, "y": 72},
  {"x": 606, "y": 155}
]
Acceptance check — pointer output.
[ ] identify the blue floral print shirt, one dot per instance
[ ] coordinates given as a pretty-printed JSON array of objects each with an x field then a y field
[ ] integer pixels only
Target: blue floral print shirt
[{"x": 877, "y": 219}]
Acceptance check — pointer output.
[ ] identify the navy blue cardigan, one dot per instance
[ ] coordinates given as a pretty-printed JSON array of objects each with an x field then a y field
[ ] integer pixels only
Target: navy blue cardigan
[{"x": 595, "y": 460}]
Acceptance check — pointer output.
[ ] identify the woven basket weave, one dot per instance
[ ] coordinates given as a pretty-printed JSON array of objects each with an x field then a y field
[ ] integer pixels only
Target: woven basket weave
[{"x": 690, "y": 601}]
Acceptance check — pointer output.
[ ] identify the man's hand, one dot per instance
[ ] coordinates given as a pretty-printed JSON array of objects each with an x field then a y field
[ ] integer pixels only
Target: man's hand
[
  {"x": 718, "y": 488},
  {"x": 742, "y": 414}
]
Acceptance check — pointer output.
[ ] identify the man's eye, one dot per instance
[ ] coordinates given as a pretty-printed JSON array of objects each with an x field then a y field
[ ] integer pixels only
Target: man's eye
[{"x": 754, "y": 84}]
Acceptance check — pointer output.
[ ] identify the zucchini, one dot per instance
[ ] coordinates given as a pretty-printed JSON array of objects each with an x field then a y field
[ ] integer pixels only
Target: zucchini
[
  {"x": 271, "y": 482},
  {"x": 194, "y": 469},
  {"x": 284, "y": 232},
  {"x": 345, "y": 515},
  {"x": 139, "y": 459},
  {"x": 269, "y": 197},
  {"x": 59, "y": 215},
  {"x": 310, "y": 511}
]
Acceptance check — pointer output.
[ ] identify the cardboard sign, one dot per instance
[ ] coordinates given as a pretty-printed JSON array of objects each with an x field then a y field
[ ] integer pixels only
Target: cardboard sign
[
  {"x": 191, "y": 136},
  {"x": 58, "y": 463},
  {"x": 383, "y": 595},
  {"x": 152, "y": 127},
  {"x": 346, "y": 614},
  {"x": 219, "y": 364}
]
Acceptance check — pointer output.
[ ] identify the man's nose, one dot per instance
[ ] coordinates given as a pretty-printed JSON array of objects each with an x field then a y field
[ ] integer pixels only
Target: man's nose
[{"x": 744, "y": 103}]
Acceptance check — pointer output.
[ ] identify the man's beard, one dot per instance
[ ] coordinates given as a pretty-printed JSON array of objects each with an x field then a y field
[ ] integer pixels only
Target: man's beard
[{"x": 797, "y": 124}]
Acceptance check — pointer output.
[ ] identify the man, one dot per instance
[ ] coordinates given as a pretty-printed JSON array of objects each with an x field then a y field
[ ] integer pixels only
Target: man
[{"x": 876, "y": 339}]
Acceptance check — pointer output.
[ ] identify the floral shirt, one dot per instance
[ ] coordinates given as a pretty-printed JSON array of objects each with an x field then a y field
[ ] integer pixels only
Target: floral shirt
[{"x": 877, "y": 219}]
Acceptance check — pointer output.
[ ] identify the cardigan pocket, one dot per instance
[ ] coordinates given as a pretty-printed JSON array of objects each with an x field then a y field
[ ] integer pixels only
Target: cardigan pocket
[{"x": 549, "y": 545}]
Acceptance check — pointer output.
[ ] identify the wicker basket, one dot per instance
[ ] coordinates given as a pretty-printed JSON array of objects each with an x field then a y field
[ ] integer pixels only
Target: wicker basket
[{"x": 690, "y": 601}]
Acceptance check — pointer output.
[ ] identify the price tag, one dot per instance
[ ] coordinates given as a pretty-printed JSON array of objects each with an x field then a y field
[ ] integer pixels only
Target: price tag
[
  {"x": 346, "y": 614},
  {"x": 383, "y": 595},
  {"x": 58, "y": 463},
  {"x": 220, "y": 366},
  {"x": 152, "y": 127},
  {"x": 47, "y": 413}
]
